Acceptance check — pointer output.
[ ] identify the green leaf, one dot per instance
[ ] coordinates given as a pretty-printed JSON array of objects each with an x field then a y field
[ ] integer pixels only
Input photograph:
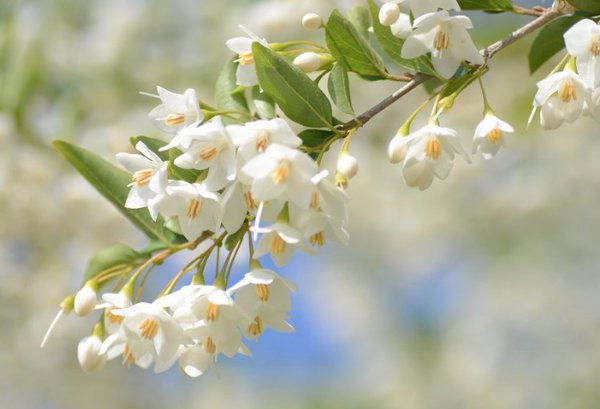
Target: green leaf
[
  {"x": 360, "y": 19},
  {"x": 487, "y": 5},
  {"x": 264, "y": 104},
  {"x": 152, "y": 247},
  {"x": 549, "y": 41},
  {"x": 590, "y": 6},
  {"x": 234, "y": 238},
  {"x": 227, "y": 93},
  {"x": 112, "y": 183},
  {"x": 339, "y": 88},
  {"x": 291, "y": 89},
  {"x": 350, "y": 48},
  {"x": 113, "y": 256},
  {"x": 392, "y": 45},
  {"x": 315, "y": 137}
]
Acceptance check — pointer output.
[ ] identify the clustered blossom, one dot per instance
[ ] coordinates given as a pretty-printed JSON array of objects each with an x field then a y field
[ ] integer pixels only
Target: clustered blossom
[{"x": 565, "y": 95}]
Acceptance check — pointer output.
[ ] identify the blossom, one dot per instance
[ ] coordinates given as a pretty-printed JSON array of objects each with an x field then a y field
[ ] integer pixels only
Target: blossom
[
  {"x": 88, "y": 354},
  {"x": 113, "y": 301},
  {"x": 265, "y": 296},
  {"x": 430, "y": 153},
  {"x": 149, "y": 176},
  {"x": 245, "y": 74},
  {"x": 446, "y": 38},
  {"x": 148, "y": 334},
  {"x": 176, "y": 111},
  {"x": 281, "y": 173},
  {"x": 562, "y": 97},
  {"x": 193, "y": 206},
  {"x": 280, "y": 240},
  {"x": 583, "y": 41},
  {"x": 209, "y": 147},
  {"x": 489, "y": 135}
]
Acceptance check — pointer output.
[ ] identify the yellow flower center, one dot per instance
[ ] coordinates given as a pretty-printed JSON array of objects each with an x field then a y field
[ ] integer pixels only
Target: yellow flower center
[
  {"x": 174, "y": 119},
  {"x": 114, "y": 319},
  {"x": 250, "y": 202},
  {"x": 142, "y": 178},
  {"x": 595, "y": 46},
  {"x": 246, "y": 58},
  {"x": 433, "y": 148},
  {"x": 495, "y": 135},
  {"x": 149, "y": 328},
  {"x": 281, "y": 173},
  {"x": 193, "y": 208},
  {"x": 256, "y": 328},
  {"x": 209, "y": 345},
  {"x": 277, "y": 245},
  {"x": 315, "y": 200},
  {"x": 441, "y": 41},
  {"x": 567, "y": 92},
  {"x": 317, "y": 239},
  {"x": 262, "y": 140},
  {"x": 127, "y": 355},
  {"x": 208, "y": 153},
  {"x": 212, "y": 312},
  {"x": 262, "y": 292}
]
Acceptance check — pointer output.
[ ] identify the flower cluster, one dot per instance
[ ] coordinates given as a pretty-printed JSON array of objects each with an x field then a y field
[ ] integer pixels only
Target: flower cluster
[{"x": 575, "y": 90}]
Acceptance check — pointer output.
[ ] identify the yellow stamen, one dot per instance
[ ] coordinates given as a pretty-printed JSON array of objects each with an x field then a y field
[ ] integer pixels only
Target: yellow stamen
[
  {"x": 441, "y": 41},
  {"x": 127, "y": 356},
  {"x": 193, "y": 208},
  {"x": 209, "y": 345},
  {"x": 174, "y": 119},
  {"x": 249, "y": 200},
  {"x": 212, "y": 312},
  {"x": 567, "y": 92},
  {"x": 246, "y": 58},
  {"x": 114, "y": 319},
  {"x": 277, "y": 245},
  {"x": 262, "y": 140},
  {"x": 257, "y": 327},
  {"x": 317, "y": 239},
  {"x": 262, "y": 292},
  {"x": 149, "y": 328},
  {"x": 495, "y": 135},
  {"x": 208, "y": 153},
  {"x": 595, "y": 47},
  {"x": 433, "y": 148},
  {"x": 281, "y": 173},
  {"x": 142, "y": 178},
  {"x": 315, "y": 200}
]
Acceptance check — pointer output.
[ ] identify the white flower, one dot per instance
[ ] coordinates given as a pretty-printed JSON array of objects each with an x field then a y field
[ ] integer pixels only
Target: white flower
[
  {"x": 489, "y": 135},
  {"x": 265, "y": 296},
  {"x": 85, "y": 300},
  {"x": 280, "y": 240},
  {"x": 430, "y": 153},
  {"x": 176, "y": 111},
  {"x": 446, "y": 38},
  {"x": 327, "y": 198},
  {"x": 209, "y": 147},
  {"x": 397, "y": 149},
  {"x": 113, "y": 301},
  {"x": 88, "y": 354},
  {"x": 148, "y": 334},
  {"x": 195, "y": 208},
  {"x": 281, "y": 173},
  {"x": 246, "y": 73},
  {"x": 562, "y": 97},
  {"x": 318, "y": 227},
  {"x": 583, "y": 41},
  {"x": 149, "y": 176}
]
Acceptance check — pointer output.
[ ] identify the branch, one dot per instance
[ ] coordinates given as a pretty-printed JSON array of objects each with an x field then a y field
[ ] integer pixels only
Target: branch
[{"x": 418, "y": 79}]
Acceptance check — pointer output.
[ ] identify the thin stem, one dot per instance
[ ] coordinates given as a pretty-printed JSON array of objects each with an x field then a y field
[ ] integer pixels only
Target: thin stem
[
  {"x": 143, "y": 283},
  {"x": 535, "y": 11},
  {"x": 486, "y": 104}
]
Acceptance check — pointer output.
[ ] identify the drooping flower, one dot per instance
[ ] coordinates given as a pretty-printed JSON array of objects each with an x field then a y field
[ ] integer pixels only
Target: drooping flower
[
  {"x": 489, "y": 135},
  {"x": 88, "y": 354},
  {"x": 583, "y": 41},
  {"x": 447, "y": 39},
  {"x": 246, "y": 73},
  {"x": 149, "y": 176},
  {"x": 176, "y": 111},
  {"x": 280, "y": 240}
]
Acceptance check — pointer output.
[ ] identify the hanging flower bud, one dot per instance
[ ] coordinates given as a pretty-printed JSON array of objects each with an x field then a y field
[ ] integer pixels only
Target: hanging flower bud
[
  {"x": 347, "y": 166},
  {"x": 310, "y": 61},
  {"x": 88, "y": 354},
  {"x": 85, "y": 299},
  {"x": 312, "y": 21},
  {"x": 397, "y": 149},
  {"x": 388, "y": 14}
]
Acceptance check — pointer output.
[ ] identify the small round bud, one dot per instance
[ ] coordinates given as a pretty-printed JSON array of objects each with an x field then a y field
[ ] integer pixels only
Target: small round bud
[
  {"x": 88, "y": 354},
  {"x": 308, "y": 62},
  {"x": 388, "y": 14},
  {"x": 397, "y": 149},
  {"x": 347, "y": 166},
  {"x": 312, "y": 21},
  {"x": 85, "y": 301}
]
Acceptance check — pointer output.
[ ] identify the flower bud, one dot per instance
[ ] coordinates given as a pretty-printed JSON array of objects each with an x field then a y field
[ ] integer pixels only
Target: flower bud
[
  {"x": 397, "y": 149},
  {"x": 88, "y": 354},
  {"x": 347, "y": 166},
  {"x": 312, "y": 21},
  {"x": 85, "y": 300},
  {"x": 309, "y": 62},
  {"x": 388, "y": 14}
]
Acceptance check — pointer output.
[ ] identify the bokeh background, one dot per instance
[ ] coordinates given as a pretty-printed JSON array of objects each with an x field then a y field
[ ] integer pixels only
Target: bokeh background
[{"x": 481, "y": 292}]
